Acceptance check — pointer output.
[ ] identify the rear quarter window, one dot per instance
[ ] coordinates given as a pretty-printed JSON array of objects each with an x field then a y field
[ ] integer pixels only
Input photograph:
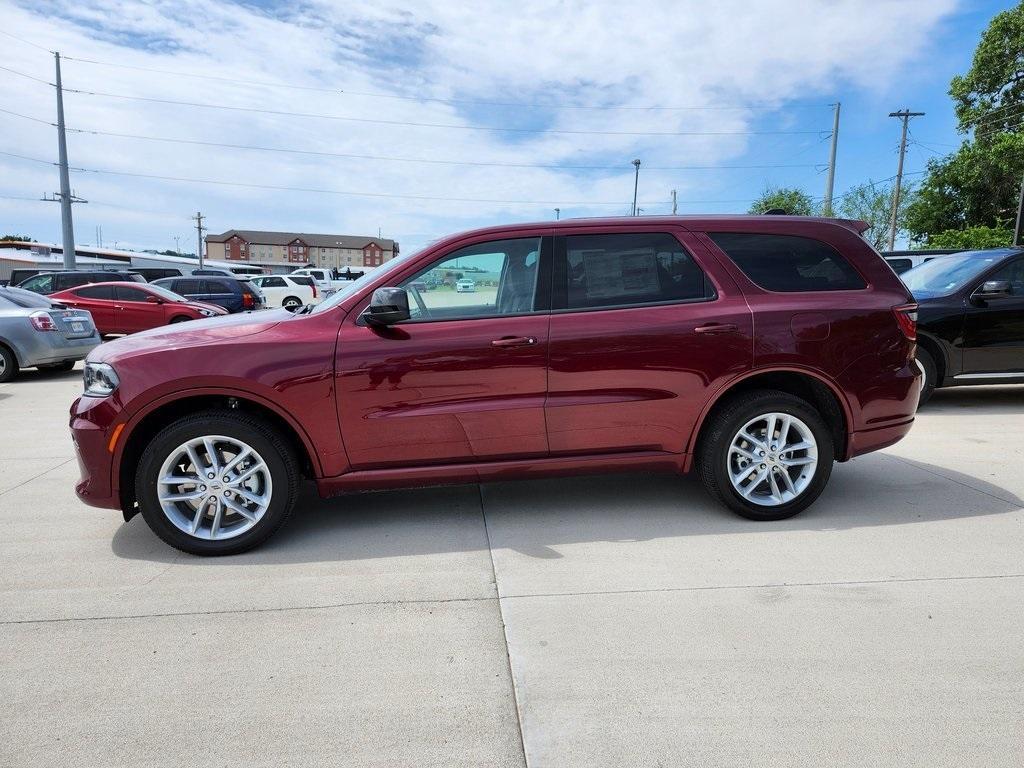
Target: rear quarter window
[{"x": 789, "y": 263}]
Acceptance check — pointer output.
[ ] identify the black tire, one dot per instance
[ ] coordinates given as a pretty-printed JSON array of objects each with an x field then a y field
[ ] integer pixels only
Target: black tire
[
  {"x": 8, "y": 364},
  {"x": 272, "y": 447},
  {"x": 291, "y": 303},
  {"x": 712, "y": 459},
  {"x": 931, "y": 375},
  {"x": 180, "y": 319}
]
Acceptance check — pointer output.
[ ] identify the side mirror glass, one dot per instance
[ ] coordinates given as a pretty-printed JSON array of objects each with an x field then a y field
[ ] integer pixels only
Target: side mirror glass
[
  {"x": 154, "y": 300},
  {"x": 387, "y": 307},
  {"x": 993, "y": 289}
]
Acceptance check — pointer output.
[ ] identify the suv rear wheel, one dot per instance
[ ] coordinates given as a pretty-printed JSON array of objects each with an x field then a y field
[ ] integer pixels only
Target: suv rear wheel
[
  {"x": 766, "y": 455},
  {"x": 216, "y": 483}
]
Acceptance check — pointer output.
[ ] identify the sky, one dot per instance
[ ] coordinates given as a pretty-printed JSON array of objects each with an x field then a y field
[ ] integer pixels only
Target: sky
[{"x": 421, "y": 119}]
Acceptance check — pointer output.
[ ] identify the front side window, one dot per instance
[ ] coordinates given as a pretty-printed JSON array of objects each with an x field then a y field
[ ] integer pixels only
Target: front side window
[
  {"x": 482, "y": 280},
  {"x": 124, "y": 293},
  {"x": 622, "y": 270},
  {"x": 98, "y": 291},
  {"x": 788, "y": 263},
  {"x": 39, "y": 284},
  {"x": 1013, "y": 273}
]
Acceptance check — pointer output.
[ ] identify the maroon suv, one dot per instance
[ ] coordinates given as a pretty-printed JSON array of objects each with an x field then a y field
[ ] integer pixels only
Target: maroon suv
[{"x": 757, "y": 349}]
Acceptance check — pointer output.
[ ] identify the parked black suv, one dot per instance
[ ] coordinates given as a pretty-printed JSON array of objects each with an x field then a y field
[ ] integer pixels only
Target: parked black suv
[
  {"x": 51, "y": 282},
  {"x": 228, "y": 292},
  {"x": 970, "y": 319}
]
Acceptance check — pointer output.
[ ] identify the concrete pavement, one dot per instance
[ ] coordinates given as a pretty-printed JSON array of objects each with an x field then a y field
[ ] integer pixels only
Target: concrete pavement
[{"x": 592, "y": 621}]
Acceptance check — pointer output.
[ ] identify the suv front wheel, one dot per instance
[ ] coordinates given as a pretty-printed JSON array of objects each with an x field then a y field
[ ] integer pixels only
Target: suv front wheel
[
  {"x": 217, "y": 483},
  {"x": 767, "y": 455}
]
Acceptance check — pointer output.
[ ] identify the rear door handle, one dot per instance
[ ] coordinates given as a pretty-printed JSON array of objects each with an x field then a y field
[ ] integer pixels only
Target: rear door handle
[
  {"x": 514, "y": 341},
  {"x": 716, "y": 328}
]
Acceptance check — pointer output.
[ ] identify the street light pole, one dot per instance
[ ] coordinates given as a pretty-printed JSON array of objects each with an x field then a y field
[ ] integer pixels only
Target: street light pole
[
  {"x": 636, "y": 182},
  {"x": 558, "y": 212}
]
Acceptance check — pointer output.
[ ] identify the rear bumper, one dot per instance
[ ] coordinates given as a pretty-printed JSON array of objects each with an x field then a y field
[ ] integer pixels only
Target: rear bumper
[
  {"x": 868, "y": 440},
  {"x": 89, "y": 432},
  {"x": 42, "y": 348}
]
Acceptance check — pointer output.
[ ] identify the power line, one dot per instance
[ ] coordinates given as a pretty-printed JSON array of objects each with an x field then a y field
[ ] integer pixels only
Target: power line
[
  {"x": 26, "y": 117},
  {"x": 386, "y": 158},
  {"x": 438, "y": 100},
  {"x": 26, "y": 42},
  {"x": 219, "y": 182},
  {"x": 404, "y": 123},
  {"x": 30, "y": 77}
]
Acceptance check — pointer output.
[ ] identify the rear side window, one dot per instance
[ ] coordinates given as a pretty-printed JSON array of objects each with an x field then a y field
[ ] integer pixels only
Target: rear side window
[
  {"x": 613, "y": 270},
  {"x": 187, "y": 286},
  {"x": 788, "y": 263},
  {"x": 96, "y": 292},
  {"x": 273, "y": 282},
  {"x": 899, "y": 266}
]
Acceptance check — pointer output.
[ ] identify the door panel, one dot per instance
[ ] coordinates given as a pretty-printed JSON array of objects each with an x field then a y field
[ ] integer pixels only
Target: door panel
[
  {"x": 637, "y": 378},
  {"x": 465, "y": 379},
  {"x": 994, "y": 333},
  {"x": 99, "y": 301},
  {"x": 135, "y": 313}
]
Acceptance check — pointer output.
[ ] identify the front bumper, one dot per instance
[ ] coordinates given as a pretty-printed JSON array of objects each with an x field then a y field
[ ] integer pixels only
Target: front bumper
[
  {"x": 49, "y": 347},
  {"x": 91, "y": 428}
]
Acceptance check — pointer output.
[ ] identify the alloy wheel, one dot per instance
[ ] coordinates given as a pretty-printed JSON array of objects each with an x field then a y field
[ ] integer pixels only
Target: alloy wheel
[
  {"x": 772, "y": 459},
  {"x": 214, "y": 487}
]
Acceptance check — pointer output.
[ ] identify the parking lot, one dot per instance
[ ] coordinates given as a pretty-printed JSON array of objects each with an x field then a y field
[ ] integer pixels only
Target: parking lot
[{"x": 623, "y": 620}]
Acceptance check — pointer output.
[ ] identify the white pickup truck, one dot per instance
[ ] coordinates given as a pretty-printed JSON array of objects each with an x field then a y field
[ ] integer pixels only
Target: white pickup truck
[{"x": 326, "y": 284}]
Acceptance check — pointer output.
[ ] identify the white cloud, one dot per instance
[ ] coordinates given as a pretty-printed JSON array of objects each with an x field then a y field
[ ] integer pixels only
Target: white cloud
[{"x": 565, "y": 53}]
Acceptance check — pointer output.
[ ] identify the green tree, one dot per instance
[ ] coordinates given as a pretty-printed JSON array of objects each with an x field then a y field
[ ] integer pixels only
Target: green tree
[
  {"x": 792, "y": 200},
  {"x": 972, "y": 238},
  {"x": 13, "y": 238},
  {"x": 978, "y": 185},
  {"x": 871, "y": 202}
]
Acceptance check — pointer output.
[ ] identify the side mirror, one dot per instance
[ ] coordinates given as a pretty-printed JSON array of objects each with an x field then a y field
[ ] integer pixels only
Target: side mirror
[
  {"x": 993, "y": 289},
  {"x": 154, "y": 300},
  {"x": 387, "y": 307}
]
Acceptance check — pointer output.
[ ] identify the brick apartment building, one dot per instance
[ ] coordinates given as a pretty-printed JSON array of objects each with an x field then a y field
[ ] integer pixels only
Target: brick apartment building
[{"x": 295, "y": 249}]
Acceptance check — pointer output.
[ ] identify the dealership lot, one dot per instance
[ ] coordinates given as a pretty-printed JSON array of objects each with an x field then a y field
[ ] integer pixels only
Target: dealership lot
[{"x": 594, "y": 621}]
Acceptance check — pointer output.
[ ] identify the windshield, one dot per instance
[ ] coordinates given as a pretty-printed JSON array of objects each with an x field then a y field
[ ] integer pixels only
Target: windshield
[
  {"x": 343, "y": 293},
  {"x": 164, "y": 293},
  {"x": 22, "y": 298},
  {"x": 948, "y": 274}
]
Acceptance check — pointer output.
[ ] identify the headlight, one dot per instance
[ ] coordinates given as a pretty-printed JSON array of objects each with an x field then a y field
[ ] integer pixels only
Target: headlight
[
  {"x": 207, "y": 313},
  {"x": 100, "y": 379}
]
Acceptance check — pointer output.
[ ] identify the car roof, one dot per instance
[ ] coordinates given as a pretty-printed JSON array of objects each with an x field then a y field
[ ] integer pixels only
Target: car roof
[{"x": 988, "y": 253}]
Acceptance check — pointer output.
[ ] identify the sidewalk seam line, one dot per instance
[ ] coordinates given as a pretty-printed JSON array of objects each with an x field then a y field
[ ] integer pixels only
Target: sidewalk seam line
[{"x": 504, "y": 628}]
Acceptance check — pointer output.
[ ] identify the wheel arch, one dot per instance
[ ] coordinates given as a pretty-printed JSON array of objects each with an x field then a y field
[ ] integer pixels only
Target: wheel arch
[
  {"x": 822, "y": 394},
  {"x": 937, "y": 350},
  {"x": 161, "y": 412}
]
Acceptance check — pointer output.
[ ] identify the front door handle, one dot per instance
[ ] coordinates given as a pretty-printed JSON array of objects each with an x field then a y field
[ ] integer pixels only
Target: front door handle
[
  {"x": 716, "y": 328},
  {"x": 514, "y": 341}
]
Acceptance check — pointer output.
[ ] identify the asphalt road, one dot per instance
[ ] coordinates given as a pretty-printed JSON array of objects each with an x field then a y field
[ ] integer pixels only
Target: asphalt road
[{"x": 610, "y": 621}]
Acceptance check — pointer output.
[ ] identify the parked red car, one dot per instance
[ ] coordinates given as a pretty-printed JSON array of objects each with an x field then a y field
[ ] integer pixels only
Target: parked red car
[
  {"x": 756, "y": 349},
  {"x": 121, "y": 307}
]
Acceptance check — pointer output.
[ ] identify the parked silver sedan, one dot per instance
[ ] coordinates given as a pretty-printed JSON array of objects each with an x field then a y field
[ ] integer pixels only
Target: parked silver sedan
[{"x": 40, "y": 333}]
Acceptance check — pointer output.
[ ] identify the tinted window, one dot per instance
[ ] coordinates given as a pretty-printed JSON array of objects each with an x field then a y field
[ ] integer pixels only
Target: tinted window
[
  {"x": 625, "y": 270},
  {"x": 39, "y": 284},
  {"x": 1013, "y": 273},
  {"x": 788, "y": 263},
  {"x": 273, "y": 282},
  {"x": 482, "y": 280},
  {"x": 96, "y": 292},
  {"x": 216, "y": 286},
  {"x": 187, "y": 286},
  {"x": 131, "y": 294},
  {"x": 900, "y": 266}
]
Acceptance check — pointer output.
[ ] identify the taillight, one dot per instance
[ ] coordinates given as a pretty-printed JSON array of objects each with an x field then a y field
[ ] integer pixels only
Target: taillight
[
  {"x": 906, "y": 318},
  {"x": 314, "y": 290},
  {"x": 248, "y": 300},
  {"x": 42, "y": 321}
]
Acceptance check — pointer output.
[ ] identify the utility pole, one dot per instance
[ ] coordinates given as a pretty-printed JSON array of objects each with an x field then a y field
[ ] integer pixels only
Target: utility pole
[
  {"x": 558, "y": 212},
  {"x": 673, "y": 202},
  {"x": 905, "y": 115},
  {"x": 830, "y": 181},
  {"x": 198, "y": 219},
  {"x": 1017, "y": 231},
  {"x": 67, "y": 227},
  {"x": 636, "y": 182},
  {"x": 177, "y": 244}
]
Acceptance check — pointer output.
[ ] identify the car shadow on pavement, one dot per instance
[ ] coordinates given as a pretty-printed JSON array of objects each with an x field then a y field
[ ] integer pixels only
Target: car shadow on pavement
[
  {"x": 535, "y": 517},
  {"x": 1007, "y": 399}
]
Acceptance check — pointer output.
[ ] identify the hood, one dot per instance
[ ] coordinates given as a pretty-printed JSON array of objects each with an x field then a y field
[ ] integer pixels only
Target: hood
[{"x": 196, "y": 333}]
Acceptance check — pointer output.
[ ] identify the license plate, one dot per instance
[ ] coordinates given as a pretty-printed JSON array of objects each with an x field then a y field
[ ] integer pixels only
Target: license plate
[{"x": 78, "y": 327}]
